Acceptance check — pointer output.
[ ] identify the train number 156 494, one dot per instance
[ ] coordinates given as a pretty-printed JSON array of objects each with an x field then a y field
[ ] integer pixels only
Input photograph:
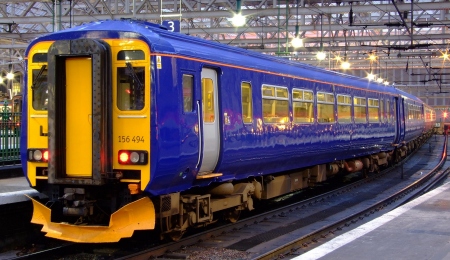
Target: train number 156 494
[{"x": 132, "y": 139}]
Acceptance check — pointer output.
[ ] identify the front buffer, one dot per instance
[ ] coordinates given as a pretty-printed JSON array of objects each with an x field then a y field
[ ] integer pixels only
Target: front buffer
[{"x": 138, "y": 215}]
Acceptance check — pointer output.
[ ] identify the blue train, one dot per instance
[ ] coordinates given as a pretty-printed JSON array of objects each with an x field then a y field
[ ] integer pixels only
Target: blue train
[{"x": 127, "y": 126}]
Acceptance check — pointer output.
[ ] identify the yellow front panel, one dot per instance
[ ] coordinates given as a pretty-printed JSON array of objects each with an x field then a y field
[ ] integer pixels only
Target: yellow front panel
[
  {"x": 37, "y": 119},
  {"x": 79, "y": 117},
  {"x": 131, "y": 129}
]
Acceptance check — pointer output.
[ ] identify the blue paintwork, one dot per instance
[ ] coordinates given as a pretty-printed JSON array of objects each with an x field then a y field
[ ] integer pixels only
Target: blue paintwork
[{"x": 247, "y": 150}]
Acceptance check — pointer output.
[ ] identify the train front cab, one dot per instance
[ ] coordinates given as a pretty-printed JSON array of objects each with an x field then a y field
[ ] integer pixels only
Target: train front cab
[{"x": 88, "y": 134}]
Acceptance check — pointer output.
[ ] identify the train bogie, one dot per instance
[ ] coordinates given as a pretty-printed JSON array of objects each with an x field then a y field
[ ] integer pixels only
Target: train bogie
[{"x": 125, "y": 120}]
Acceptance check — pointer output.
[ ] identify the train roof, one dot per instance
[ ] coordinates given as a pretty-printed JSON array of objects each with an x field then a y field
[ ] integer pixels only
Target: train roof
[{"x": 165, "y": 42}]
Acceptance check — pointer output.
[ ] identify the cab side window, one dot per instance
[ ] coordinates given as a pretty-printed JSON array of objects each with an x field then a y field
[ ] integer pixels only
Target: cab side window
[{"x": 188, "y": 92}]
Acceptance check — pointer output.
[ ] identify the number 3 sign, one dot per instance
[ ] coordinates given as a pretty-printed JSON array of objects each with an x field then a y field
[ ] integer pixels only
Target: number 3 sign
[{"x": 172, "y": 25}]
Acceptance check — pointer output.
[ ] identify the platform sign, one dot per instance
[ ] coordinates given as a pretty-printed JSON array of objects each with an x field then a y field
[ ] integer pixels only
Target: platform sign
[{"x": 172, "y": 25}]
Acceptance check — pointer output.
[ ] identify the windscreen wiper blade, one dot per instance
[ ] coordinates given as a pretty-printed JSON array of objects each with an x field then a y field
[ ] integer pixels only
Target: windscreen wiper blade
[
  {"x": 133, "y": 74},
  {"x": 39, "y": 79}
]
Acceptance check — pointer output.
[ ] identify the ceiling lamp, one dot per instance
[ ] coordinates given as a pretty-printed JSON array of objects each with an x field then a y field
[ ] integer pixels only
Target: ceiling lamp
[
  {"x": 10, "y": 75},
  {"x": 321, "y": 55},
  {"x": 345, "y": 65},
  {"x": 372, "y": 57},
  {"x": 238, "y": 19},
  {"x": 445, "y": 55},
  {"x": 297, "y": 42}
]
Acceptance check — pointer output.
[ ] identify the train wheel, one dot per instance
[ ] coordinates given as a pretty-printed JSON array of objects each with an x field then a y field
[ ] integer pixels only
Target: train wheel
[
  {"x": 232, "y": 215},
  {"x": 172, "y": 228},
  {"x": 175, "y": 235}
]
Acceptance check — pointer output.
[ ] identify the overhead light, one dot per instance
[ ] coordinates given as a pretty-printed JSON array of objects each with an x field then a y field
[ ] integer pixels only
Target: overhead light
[
  {"x": 297, "y": 42},
  {"x": 445, "y": 55},
  {"x": 10, "y": 75},
  {"x": 321, "y": 55},
  {"x": 371, "y": 76},
  {"x": 372, "y": 57},
  {"x": 1, "y": 80},
  {"x": 345, "y": 65},
  {"x": 238, "y": 20},
  {"x": 380, "y": 80}
]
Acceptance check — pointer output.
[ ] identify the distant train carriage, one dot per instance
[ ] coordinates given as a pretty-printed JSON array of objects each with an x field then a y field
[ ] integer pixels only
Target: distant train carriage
[{"x": 128, "y": 126}]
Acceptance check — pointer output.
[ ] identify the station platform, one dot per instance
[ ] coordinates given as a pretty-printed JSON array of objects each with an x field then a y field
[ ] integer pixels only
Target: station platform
[
  {"x": 13, "y": 190},
  {"x": 416, "y": 230}
]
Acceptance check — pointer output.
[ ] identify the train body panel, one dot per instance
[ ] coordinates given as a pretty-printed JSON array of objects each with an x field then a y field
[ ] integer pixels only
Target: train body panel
[{"x": 168, "y": 114}]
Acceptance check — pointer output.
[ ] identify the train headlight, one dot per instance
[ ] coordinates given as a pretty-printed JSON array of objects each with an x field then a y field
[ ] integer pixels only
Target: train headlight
[
  {"x": 133, "y": 157},
  {"x": 37, "y": 155}
]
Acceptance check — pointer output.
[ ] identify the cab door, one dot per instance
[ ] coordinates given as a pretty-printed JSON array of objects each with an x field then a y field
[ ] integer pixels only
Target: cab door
[{"x": 209, "y": 131}]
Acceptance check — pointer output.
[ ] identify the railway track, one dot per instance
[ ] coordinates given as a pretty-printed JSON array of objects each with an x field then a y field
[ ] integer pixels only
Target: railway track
[{"x": 300, "y": 226}]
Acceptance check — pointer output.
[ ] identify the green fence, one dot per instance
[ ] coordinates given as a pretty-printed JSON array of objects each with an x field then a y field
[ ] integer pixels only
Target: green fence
[{"x": 9, "y": 136}]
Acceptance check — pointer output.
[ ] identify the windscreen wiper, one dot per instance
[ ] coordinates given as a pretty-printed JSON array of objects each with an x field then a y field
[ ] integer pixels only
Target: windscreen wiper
[
  {"x": 39, "y": 79},
  {"x": 133, "y": 74}
]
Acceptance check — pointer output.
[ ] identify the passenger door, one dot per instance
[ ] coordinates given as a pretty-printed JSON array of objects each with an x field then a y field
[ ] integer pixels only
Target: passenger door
[
  {"x": 209, "y": 131},
  {"x": 399, "y": 120}
]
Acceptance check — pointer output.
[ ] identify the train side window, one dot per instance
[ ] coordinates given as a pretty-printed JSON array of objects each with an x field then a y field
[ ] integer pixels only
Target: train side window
[
  {"x": 247, "y": 110},
  {"x": 302, "y": 102},
  {"x": 39, "y": 89},
  {"x": 359, "y": 107},
  {"x": 383, "y": 115},
  {"x": 325, "y": 108},
  {"x": 275, "y": 104},
  {"x": 130, "y": 88},
  {"x": 344, "y": 108},
  {"x": 188, "y": 92},
  {"x": 208, "y": 100},
  {"x": 374, "y": 110}
]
